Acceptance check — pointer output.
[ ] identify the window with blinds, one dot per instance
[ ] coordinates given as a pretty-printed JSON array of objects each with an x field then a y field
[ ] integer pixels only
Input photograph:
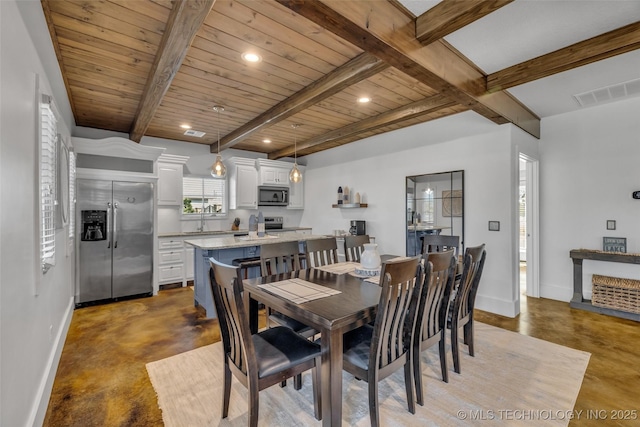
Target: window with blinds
[
  {"x": 48, "y": 127},
  {"x": 203, "y": 196}
]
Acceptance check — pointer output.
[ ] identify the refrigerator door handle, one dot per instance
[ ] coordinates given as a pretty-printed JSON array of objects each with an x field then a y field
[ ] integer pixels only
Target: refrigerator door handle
[
  {"x": 115, "y": 225},
  {"x": 108, "y": 225}
]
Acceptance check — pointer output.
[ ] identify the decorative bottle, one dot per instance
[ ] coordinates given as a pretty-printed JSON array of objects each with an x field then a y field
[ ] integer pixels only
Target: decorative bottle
[
  {"x": 339, "y": 195},
  {"x": 345, "y": 196},
  {"x": 253, "y": 226},
  {"x": 370, "y": 258},
  {"x": 356, "y": 199},
  {"x": 260, "y": 224}
]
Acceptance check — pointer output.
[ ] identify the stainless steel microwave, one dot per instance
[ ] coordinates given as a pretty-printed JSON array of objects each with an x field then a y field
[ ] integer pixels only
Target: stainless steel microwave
[{"x": 273, "y": 196}]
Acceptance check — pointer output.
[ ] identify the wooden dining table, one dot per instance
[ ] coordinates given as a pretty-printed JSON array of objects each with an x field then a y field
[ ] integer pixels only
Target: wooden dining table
[{"x": 333, "y": 315}]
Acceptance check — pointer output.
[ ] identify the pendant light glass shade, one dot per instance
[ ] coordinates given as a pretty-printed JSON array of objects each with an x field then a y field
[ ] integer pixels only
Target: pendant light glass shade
[
  {"x": 218, "y": 169},
  {"x": 295, "y": 175}
]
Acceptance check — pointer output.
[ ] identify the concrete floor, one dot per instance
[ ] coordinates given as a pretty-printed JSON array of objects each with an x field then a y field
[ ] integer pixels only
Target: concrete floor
[{"x": 102, "y": 379}]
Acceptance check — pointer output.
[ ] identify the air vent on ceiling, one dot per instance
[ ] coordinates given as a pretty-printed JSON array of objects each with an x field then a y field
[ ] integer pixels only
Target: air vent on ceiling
[
  {"x": 196, "y": 133},
  {"x": 608, "y": 93}
]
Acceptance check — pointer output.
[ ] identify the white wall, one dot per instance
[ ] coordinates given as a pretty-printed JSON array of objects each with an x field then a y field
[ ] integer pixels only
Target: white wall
[
  {"x": 35, "y": 309},
  {"x": 589, "y": 168},
  {"x": 376, "y": 167}
]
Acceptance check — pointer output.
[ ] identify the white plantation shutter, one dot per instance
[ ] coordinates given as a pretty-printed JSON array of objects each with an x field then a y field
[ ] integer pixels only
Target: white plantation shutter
[{"x": 47, "y": 184}]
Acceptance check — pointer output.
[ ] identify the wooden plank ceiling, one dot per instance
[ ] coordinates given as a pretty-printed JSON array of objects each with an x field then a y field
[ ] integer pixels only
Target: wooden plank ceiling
[{"x": 146, "y": 67}]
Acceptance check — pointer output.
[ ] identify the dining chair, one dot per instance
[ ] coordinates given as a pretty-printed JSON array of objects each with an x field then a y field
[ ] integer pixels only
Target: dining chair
[
  {"x": 434, "y": 307},
  {"x": 319, "y": 252},
  {"x": 354, "y": 246},
  {"x": 260, "y": 360},
  {"x": 461, "y": 311},
  {"x": 441, "y": 243},
  {"x": 373, "y": 352},
  {"x": 278, "y": 258}
]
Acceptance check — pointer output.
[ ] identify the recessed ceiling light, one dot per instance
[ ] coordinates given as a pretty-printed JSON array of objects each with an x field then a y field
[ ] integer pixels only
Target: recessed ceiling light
[
  {"x": 251, "y": 57},
  {"x": 266, "y": 141},
  {"x": 185, "y": 126},
  {"x": 364, "y": 99}
]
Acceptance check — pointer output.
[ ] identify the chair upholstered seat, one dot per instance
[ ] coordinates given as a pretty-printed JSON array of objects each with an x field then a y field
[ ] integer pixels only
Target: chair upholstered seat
[
  {"x": 291, "y": 323},
  {"x": 357, "y": 346},
  {"x": 280, "y": 349}
]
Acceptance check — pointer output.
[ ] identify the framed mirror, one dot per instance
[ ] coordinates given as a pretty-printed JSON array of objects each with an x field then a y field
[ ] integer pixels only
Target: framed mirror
[{"x": 434, "y": 205}]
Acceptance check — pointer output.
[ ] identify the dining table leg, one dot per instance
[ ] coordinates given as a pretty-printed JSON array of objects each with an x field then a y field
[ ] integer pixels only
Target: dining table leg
[{"x": 331, "y": 344}]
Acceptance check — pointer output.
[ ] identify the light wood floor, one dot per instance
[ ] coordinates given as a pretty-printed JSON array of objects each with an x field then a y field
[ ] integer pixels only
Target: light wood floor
[{"x": 102, "y": 380}]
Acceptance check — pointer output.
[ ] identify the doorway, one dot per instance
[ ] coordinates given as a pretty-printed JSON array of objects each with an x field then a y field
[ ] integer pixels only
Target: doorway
[{"x": 528, "y": 236}]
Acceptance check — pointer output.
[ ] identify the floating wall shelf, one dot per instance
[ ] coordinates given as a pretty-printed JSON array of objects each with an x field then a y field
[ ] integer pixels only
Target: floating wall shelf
[{"x": 351, "y": 205}]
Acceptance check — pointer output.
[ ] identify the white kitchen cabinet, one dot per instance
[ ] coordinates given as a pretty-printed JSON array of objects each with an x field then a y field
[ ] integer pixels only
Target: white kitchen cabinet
[
  {"x": 243, "y": 184},
  {"x": 296, "y": 192},
  {"x": 171, "y": 261},
  {"x": 273, "y": 172},
  {"x": 274, "y": 176},
  {"x": 170, "y": 179}
]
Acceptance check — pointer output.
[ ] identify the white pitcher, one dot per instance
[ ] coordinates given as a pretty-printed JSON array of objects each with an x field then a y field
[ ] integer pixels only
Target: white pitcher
[{"x": 370, "y": 258}]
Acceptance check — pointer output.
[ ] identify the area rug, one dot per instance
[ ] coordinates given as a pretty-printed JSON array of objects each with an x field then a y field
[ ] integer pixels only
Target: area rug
[{"x": 512, "y": 380}]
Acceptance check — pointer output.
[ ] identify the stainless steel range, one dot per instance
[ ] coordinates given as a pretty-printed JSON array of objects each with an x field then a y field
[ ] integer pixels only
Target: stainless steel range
[{"x": 273, "y": 223}]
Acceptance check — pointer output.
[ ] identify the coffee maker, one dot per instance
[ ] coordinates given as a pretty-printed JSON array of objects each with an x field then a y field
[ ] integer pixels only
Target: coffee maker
[{"x": 358, "y": 227}]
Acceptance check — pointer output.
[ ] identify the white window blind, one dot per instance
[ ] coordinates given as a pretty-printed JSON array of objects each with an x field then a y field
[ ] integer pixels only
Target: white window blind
[
  {"x": 47, "y": 184},
  {"x": 205, "y": 195}
]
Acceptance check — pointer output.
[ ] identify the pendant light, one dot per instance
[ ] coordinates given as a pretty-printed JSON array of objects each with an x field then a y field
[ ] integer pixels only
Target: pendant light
[
  {"x": 218, "y": 169},
  {"x": 295, "y": 175}
]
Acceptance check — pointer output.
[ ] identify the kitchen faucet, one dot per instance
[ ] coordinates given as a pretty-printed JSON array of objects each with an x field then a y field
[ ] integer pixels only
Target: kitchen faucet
[{"x": 201, "y": 228}]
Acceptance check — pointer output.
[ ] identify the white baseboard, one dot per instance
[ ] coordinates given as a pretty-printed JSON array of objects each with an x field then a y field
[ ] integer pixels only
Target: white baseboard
[
  {"x": 497, "y": 306},
  {"x": 558, "y": 293},
  {"x": 39, "y": 408}
]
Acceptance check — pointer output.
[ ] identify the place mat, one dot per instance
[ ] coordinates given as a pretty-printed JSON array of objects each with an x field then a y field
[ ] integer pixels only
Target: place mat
[
  {"x": 339, "y": 268},
  {"x": 298, "y": 290}
]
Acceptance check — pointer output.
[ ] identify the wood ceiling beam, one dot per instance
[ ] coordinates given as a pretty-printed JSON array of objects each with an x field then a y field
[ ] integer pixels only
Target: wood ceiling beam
[
  {"x": 185, "y": 20},
  {"x": 451, "y": 15},
  {"x": 359, "y": 68},
  {"x": 386, "y": 32},
  {"x": 397, "y": 115},
  {"x": 607, "y": 45}
]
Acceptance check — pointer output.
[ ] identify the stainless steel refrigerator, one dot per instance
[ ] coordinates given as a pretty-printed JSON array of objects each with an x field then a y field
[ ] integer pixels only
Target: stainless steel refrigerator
[{"x": 115, "y": 240}]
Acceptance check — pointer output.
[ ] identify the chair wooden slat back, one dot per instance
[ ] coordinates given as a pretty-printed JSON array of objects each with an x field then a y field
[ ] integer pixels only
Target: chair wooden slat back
[
  {"x": 433, "y": 307},
  {"x": 354, "y": 246},
  {"x": 234, "y": 326},
  {"x": 464, "y": 301},
  {"x": 401, "y": 284},
  {"x": 440, "y": 243},
  {"x": 276, "y": 258},
  {"x": 321, "y": 252},
  {"x": 437, "y": 293}
]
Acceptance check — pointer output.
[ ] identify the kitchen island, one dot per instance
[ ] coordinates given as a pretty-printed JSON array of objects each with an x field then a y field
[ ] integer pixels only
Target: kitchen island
[{"x": 227, "y": 248}]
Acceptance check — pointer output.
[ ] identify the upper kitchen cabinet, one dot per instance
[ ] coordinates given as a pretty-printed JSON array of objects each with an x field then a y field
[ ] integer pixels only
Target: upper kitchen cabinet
[
  {"x": 243, "y": 183},
  {"x": 170, "y": 179},
  {"x": 272, "y": 172},
  {"x": 435, "y": 205}
]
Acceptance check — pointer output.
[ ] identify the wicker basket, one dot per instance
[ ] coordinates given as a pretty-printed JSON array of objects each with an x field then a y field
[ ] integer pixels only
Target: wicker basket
[{"x": 616, "y": 293}]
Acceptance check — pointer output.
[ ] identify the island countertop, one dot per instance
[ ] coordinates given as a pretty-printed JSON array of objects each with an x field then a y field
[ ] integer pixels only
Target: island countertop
[
  {"x": 228, "y": 242},
  {"x": 202, "y": 234}
]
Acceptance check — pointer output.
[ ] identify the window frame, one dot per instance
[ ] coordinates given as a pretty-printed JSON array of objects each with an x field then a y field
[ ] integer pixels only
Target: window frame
[
  {"x": 198, "y": 215},
  {"x": 47, "y": 185}
]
